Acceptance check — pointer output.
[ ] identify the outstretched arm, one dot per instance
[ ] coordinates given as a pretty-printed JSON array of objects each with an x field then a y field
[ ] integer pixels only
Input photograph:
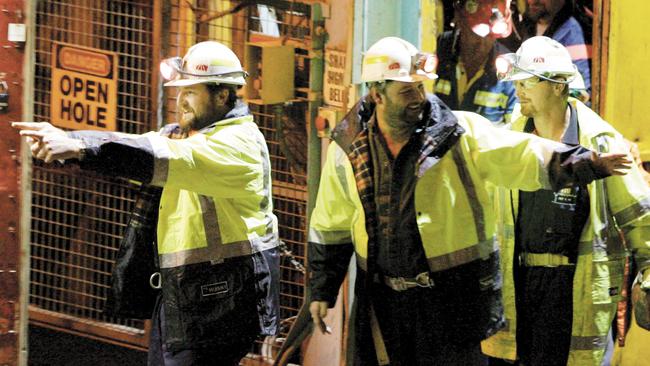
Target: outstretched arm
[
  {"x": 522, "y": 161},
  {"x": 226, "y": 163}
]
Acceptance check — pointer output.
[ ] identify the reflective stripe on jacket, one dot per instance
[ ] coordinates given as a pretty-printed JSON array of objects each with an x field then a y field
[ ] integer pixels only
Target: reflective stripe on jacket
[{"x": 599, "y": 269}]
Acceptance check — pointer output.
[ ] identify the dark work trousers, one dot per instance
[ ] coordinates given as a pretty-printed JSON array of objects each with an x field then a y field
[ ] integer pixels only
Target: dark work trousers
[
  {"x": 219, "y": 355},
  {"x": 544, "y": 315},
  {"x": 411, "y": 330}
]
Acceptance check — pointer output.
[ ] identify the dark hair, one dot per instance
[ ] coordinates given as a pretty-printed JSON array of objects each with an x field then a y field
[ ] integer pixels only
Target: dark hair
[{"x": 214, "y": 89}]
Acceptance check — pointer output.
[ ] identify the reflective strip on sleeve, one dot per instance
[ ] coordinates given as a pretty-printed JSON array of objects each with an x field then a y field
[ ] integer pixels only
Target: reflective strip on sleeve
[
  {"x": 330, "y": 237},
  {"x": 587, "y": 343},
  {"x": 161, "y": 154},
  {"x": 340, "y": 173},
  {"x": 633, "y": 212}
]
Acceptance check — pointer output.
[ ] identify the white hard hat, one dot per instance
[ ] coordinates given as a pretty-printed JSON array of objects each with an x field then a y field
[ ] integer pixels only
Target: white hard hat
[
  {"x": 205, "y": 62},
  {"x": 538, "y": 56},
  {"x": 393, "y": 58}
]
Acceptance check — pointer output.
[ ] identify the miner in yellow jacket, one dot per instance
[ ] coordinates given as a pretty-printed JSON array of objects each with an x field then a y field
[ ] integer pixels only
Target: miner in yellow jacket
[
  {"x": 404, "y": 188},
  {"x": 562, "y": 252},
  {"x": 217, "y": 236}
]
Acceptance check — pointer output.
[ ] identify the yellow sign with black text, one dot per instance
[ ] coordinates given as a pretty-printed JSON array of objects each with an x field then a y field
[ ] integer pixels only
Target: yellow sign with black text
[{"x": 84, "y": 88}]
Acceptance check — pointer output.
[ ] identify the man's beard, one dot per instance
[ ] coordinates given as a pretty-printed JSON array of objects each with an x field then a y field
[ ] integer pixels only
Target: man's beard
[
  {"x": 402, "y": 120},
  {"x": 198, "y": 120}
]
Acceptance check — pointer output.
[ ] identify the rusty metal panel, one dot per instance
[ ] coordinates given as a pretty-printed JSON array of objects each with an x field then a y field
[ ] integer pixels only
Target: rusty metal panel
[
  {"x": 11, "y": 78},
  {"x": 78, "y": 218}
]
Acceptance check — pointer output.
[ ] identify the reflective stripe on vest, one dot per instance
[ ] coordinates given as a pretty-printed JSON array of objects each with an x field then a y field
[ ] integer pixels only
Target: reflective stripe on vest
[
  {"x": 491, "y": 100},
  {"x": 443, "y": 87}
]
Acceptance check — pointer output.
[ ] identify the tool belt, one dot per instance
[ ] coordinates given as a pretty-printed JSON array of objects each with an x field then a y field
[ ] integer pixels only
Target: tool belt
[
  {"x": 544, "y": 260},
  {"x": 404, "y": 283}
]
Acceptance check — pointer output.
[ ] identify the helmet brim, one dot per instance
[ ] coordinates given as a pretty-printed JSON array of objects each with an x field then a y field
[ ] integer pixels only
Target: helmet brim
[
  {"x": 414, "y": 77},
  {"x": 188, "y": 82},
  {"x": 519, "y": 75}
]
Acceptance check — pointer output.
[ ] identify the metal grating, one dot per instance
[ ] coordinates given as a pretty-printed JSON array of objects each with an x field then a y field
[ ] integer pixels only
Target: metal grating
[
  {"x": 283, "y": 128},
  {"x": 77, "y": 218},
  {"x": 289, "y": 199},
  {"x": 124, "y": 27},
  {"x": 74, "y": 241}
]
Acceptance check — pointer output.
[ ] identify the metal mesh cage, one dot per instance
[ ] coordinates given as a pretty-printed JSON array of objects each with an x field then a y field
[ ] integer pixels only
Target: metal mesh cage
[{"x": 77, "y": 218}]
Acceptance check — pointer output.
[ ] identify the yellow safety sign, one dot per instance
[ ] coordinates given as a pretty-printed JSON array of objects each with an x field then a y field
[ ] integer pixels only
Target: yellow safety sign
[{"x": 84, "y": 88}]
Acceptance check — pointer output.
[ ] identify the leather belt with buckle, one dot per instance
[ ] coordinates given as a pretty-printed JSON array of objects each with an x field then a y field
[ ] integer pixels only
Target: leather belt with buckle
[{"x": 404, "y": 283}]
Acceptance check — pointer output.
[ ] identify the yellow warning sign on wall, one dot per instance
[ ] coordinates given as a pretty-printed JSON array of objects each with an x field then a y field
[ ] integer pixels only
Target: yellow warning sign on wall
[{"x": 84, "y": 88}]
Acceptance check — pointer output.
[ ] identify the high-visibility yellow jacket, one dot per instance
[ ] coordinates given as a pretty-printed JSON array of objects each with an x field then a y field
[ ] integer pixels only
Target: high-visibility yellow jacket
[
  {"x": 599, "y": 269},
  {"x": 215, "y": 211},
  {"x": 454, "y": 213}
]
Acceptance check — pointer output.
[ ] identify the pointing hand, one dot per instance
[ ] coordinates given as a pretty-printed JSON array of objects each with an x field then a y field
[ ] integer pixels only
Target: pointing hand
[{"x": 49, "y": 143}]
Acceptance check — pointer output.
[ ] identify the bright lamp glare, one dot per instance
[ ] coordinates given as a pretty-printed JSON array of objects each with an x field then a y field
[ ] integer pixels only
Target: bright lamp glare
[
  {"x": 430, "y": 64},
  {"x": 499, "y": 27},
  {"x": 481, "y": 29},
  {"x": 166, "y": 71},
  {"x": 502, "y": 65}
]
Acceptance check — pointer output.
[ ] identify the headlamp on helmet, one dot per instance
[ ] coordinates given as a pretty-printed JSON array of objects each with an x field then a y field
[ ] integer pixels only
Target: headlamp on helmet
[
  {"x": 498, "y": 24},
  {"x": 393, "y": 58},
  {"x": 204, "y": 62},
  {"x": 172, "y": 69},
  {"x": 425, "y": 63},
  {"x": 507, "y": 66}
]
